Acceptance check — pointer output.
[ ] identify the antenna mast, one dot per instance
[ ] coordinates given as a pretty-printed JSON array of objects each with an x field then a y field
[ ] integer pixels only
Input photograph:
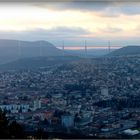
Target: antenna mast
[
  {"x": 85, "y": 48},
  {"x": 109, "y": 46},
  {"x": 63, "y": 47},
  {"x": 19, "y": 49},
  {"x": 40, "y": 49}
]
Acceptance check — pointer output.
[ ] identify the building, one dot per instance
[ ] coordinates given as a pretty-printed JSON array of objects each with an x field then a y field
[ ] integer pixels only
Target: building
[
  {"x": 104, "y": 92},
  {"x": 37, "y": 104},
  {"x": 14, "y": 108},
  {"x": 131, "y": 132},
  {"x": 67, "y": 120}
]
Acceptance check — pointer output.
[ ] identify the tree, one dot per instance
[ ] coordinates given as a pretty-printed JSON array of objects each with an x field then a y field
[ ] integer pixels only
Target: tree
[
  {"x": 16, "y": 130},
  {"x": 40, "y": 134},
  {"x": 3, "y": 125},
  {"x": 9, "y": 130}
]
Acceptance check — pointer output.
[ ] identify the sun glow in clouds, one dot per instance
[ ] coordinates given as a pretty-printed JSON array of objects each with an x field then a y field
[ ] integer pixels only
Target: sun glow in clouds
[{"x": 110, "y": 22}]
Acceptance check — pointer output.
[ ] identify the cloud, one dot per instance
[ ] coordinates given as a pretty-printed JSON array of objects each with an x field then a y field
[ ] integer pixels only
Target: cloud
[
  {"x": 131, "y": 10},
  {"x": 55, "y": 34},
  {"x": 108, "y": 14},
  {"x": 74, "y": 5},
  {"x": 71, "y": 21},
  {"x": 110, "y": 30},
  {"x": 105, "y": 7},
  {"x": 59, "y": 32}
]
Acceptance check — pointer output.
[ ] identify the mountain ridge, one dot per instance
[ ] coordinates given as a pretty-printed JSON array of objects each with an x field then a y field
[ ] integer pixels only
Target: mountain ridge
[
  {"x": 11, "y": 50},
  {"x": 125, "y": 51}
]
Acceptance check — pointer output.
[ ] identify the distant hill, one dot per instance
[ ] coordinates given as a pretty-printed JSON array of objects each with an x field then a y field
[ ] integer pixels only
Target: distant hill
[
  {"x": 38, "y": 62},
  {"x": 128, "y": 50},
  {"x": 90, "y": 52},
  {"x": 10, "y": 50}
]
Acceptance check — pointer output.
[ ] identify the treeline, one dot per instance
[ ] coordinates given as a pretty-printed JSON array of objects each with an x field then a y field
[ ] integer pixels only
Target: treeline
[{"x": 9, "y": 129}]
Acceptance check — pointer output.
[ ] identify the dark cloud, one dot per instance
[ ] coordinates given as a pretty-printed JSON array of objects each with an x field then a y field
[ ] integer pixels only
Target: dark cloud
[
  {"x": 131, "y": 9},
  {"x": 106, "y": 7},
  {"x": 128, "y": 7},
  {"x": 75, "y": 5}
]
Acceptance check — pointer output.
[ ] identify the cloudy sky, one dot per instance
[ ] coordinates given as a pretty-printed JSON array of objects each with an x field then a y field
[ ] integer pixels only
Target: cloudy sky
[{"x": 72, "y": 22}]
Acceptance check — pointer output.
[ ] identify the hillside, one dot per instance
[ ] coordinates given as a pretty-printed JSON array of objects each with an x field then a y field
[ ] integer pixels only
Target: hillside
[
  {"x": 10, "y": 50},
  {"x": 38, "y": 62},
  {"x": 128, "y": 50}
]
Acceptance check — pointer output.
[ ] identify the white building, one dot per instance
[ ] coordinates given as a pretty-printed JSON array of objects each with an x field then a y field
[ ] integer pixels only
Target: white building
[
  {"x": 14, "y": 108},
  {"x": 131, "y": 132},
  {"x": 104, "y": 92},
  {"x": 37, "y": 104}
]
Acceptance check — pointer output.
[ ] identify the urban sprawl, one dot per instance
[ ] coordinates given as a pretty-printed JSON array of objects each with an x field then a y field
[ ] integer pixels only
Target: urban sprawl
[{"x": 93, "y": 97}]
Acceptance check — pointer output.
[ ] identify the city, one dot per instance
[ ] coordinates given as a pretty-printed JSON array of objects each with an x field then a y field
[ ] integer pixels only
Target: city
[
  {"x": 69, "y": 69},
  {"x": 95, "y": 97}
]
